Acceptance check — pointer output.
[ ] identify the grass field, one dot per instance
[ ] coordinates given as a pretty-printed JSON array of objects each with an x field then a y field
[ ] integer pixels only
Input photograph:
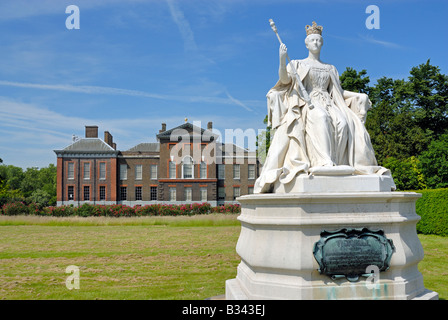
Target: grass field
[{"x": 139, "y": 258}]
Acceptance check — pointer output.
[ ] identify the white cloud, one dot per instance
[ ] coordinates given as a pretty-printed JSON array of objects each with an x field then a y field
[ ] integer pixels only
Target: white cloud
[
  {"x": 127, "y": 92},
  {"x": 183, "y": 25},
  {"x": 383, "y": 43},
  {"x": 238, "y": 102},
  {"x": 30, "y": 132},
  {"x": 369, "y": 39}
]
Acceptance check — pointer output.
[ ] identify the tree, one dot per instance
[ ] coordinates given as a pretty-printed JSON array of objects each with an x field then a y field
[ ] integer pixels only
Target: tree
[
  {"x": 41, "y": 197},
  {"x": 428, "y": 92},
  {"x": 48, "y": 177},
  {"x": 355, "y": 81},
  {"x": 391, "y": 123},
  {"x": 32, "y": 184},
  {"x": 407, "y": 173},
  {"x": 12, "y": 175},
  {"x": 434, "y": 163},
  {"x": 30, "y": 181}
]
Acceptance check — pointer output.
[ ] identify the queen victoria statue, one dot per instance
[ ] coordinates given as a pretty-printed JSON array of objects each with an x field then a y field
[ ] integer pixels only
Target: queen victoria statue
[
  {"x": 325, "y": 215},
  {"x": 319, "y": 127}
]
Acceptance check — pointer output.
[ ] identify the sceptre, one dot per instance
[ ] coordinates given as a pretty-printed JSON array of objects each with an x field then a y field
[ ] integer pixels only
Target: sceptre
[{"x": 302, "y": 90}]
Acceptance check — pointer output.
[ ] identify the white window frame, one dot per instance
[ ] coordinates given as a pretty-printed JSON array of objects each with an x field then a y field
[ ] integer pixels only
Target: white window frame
[
  {"x": 102, "y": 170},
  {"x": 140, "y": 193},
  {"x": 86, "y": 173},
  {"x": 71, "y": 171},
  {"x": 100, "y": 193},
  {"x": 236, "y": 192},
  {"x": 153, "y": 171},
  {"x": 203, "y": 194},
  {"x": 203, "y": 170},
  {"x": 123, "y": 190},
  {"x": 221, "y": 171},
  {"x": 173, "y": 194},
  {"x": 251, "y": 171},
  {"x": 221, "y": 193},
  {"x": 138, "y": 172},
  {"x": 172, "y": 168},
  {"x": 86, "y": 195},
  {"x": 236, "y": 172},
  {"x": 123, "y": 171},
  {"x": 151, "y": 189},
  {"x": 188, "y": 193},
  {"x": 184, "y": 163}
]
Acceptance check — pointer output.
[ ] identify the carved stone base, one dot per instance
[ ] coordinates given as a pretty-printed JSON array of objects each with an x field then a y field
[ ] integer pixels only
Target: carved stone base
[
  {"x": 342, "y": 183},
  {"x": 279, "y": 231}
]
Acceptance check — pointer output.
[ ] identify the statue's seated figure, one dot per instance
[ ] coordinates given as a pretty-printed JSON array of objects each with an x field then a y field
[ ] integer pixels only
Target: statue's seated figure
[{"x": 327, "y": 135}]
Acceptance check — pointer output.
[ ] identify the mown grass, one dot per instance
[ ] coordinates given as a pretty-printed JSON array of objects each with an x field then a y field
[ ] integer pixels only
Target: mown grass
[
  {"x": 215, "y": 219},
  {"x": 139, "y": 258},
  {"x": 434, "y": 265},
  {"x": 118, "y": 258}
]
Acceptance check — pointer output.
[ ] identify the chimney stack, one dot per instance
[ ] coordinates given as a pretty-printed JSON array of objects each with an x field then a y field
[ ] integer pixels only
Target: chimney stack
[
  {"x": 210, "y": 125},
  {"x": 163, "y": 128},
  {"x": 108, "y": 138},
  {"x": 91, "y": 131}
]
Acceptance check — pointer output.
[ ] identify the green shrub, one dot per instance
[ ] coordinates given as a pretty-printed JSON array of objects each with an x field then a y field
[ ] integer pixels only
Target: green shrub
[
  {"x": 14, "y": 208},
  {"x": 147, "y": 210},
  {"x": 34, "y": 208},
  {"x": 406, "y": 173},
  {"x": 62, "y": 211},
  {"x": 117, "y": 210},
  {"x": 432, "y": 207},
  {"x": 227, "y": 208}
]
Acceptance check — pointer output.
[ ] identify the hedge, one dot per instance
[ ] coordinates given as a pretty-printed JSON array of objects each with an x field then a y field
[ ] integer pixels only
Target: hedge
[
  {"x": 117, "y": 210},
  {"x": 432, "y": 207}
]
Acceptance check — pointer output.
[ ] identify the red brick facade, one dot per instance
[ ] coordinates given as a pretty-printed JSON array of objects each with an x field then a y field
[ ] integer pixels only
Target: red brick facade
[{"x": 92, "y": 170}]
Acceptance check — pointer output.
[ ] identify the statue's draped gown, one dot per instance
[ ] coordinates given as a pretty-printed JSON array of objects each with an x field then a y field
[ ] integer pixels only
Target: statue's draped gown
[{"x": 330, "y": 134}]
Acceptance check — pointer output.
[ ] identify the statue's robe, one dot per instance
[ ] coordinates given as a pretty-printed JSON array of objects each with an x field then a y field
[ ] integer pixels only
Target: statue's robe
[{"x": 290, "y": 151}]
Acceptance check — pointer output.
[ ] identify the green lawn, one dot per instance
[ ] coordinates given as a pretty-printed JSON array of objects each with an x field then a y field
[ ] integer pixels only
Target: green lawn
[
  {"x": 434, "y": 266},
  {"x": 139, "y": 258}
]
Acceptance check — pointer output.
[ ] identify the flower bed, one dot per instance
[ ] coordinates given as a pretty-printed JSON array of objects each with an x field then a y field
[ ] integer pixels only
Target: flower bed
[{"x": 117, "y": 210}]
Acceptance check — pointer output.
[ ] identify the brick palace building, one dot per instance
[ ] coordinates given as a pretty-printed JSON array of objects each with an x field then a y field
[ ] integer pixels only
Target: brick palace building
[{"x": 186, "y": 165}]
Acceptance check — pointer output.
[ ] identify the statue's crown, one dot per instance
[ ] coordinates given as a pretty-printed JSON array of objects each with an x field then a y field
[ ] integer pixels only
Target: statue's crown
[{"x": 313, "y": 29}]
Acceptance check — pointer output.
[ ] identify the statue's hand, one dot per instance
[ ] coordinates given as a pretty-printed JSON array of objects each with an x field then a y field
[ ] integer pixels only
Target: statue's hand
[{"x": 283, "y": 51}]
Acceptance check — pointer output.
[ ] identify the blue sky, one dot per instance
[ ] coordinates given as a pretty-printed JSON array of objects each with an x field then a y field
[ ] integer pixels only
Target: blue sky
[{"x": 134, "y": 64}]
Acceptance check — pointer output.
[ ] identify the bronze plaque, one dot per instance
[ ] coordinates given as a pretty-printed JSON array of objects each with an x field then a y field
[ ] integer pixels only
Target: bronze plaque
[{"x": 348, "y": 252}]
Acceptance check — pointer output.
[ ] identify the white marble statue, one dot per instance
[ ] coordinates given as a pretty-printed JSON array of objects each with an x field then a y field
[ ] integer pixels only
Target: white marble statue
[{"x": 324, "y": 136}]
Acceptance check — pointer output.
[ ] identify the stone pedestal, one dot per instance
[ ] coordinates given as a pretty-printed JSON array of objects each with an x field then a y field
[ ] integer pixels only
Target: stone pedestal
[{"x": 278, "y": 233}]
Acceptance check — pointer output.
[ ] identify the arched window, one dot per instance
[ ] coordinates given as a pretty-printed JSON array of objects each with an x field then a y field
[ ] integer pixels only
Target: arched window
[{"x": 187, "y": 167}]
